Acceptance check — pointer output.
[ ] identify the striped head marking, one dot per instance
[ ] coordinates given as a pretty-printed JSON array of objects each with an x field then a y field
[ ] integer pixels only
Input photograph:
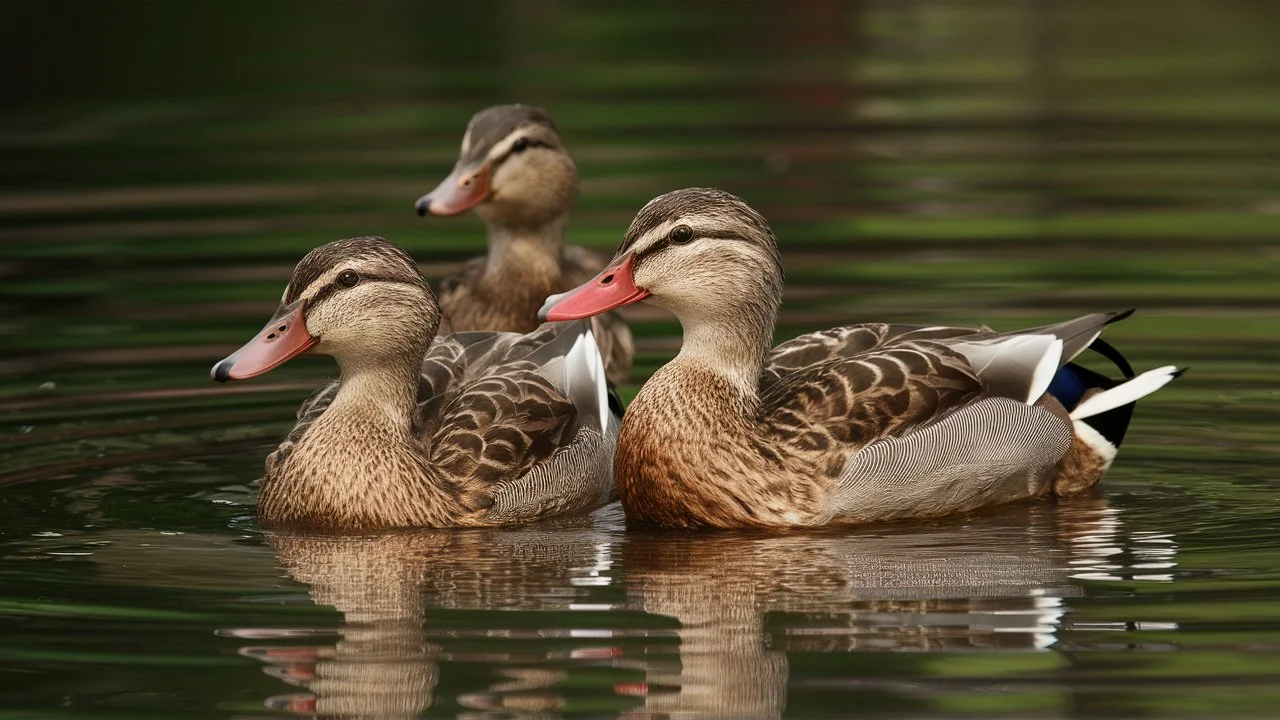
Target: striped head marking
[
  {"x": 703, "y": 247},
  {"x": 702, "y": 253},
  {"x": 512, "y": 168},
  {"x": 361, "y": 300},
  {"x": 364, "y": 297},
  {"x": 373, "y": 258}
]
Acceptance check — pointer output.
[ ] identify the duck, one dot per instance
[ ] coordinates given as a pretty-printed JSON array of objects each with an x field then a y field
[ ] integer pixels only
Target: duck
[
  {"x": 861, "y": 424},
  {"x": 423, "y": 430},
  {"x": 515, "y": 173}
]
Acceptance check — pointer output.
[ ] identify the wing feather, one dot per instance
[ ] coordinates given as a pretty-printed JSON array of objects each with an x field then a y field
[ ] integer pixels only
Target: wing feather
[
  {"x": 885, "y": 391},
  {"x": 523, "y": 421},
  {"x": 499, "y": 427}
]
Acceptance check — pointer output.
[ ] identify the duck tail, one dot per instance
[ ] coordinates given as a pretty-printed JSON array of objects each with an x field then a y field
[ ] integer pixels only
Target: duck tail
[{"x": 1103, "y": 403}]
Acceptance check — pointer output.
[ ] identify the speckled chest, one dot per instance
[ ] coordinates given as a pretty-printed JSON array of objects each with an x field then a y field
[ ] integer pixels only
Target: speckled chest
[{"x": 693, "y": 467}]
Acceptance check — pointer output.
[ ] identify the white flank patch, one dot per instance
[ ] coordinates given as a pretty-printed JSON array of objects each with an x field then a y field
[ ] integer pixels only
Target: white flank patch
[
  {"x": 584, "y": 376},
  {"x": 1094, "y": 439},
  {"x": 598, "y": 378},
  {"x": 577, "y": 375},
  {"x": 1120, "y": 395},
  {"x": 1045, "y": 370}
]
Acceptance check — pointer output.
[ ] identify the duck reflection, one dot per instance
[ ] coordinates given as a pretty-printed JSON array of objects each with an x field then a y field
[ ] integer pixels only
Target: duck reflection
[
  {"x": 739, "y": 604},
  {"x": 382, "y": 666},
  {"x": 991, "y": 582},
  {"x": 386, "y": 664}
]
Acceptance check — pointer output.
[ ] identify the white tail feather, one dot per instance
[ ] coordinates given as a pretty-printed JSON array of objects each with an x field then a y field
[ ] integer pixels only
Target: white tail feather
[
  {"x": 1094, "y": 439},
  {"x": 1045, "y": 370},
  {"x": 1120, "y": 395},
  {"x": 584, "y": 378}
]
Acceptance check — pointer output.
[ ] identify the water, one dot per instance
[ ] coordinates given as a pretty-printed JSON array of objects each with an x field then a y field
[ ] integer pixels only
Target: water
[{"x": 1003, "y": 162}]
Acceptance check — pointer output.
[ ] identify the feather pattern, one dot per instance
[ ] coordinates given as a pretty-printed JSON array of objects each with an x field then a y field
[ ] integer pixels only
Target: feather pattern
[
  {"x": 855, "y": 424},
  {"x": 507, "y": 299},
  {"x": 472, "y": 429}
]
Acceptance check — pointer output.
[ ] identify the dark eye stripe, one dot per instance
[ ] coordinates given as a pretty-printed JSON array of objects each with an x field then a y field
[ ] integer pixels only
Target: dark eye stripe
[
  {"x": 334, "y": 287},
  {"x": 654, "y": 248},
  {"x": 529, "y": 143},
  {"x": 665, "y": 242}
]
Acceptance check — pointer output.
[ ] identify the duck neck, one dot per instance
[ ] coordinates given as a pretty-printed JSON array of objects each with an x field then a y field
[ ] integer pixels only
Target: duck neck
[
  {"x": 728, "y": 345},
  {"x": 519, "y": 255},
  {"x": 378, "y": 399}
]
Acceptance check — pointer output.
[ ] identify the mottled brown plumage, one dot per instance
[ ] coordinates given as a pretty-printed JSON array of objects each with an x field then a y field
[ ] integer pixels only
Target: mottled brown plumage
[
  {"x": 523, "y": 193},
  {"x": 474, "y": 429},
  {"x": 857, "y": 424}
]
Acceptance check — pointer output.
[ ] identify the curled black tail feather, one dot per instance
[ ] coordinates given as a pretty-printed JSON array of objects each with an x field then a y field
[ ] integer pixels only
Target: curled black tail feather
[
  {"x": 1108, "y": 351},
  {"x": 1113, "y": 423}
]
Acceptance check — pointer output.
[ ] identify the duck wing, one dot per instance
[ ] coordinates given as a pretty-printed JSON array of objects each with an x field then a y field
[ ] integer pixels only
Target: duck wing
[
  {"x": 454, "y": 362},
  {"x": 848, "y": 402},
  {"x": 524, "y": 421},
  {"x": 923, "y": 423},
  {"x": 499, "y": 426},
  {"x": 815, "y": 348},
  {"x": 1004, "y": 362}
]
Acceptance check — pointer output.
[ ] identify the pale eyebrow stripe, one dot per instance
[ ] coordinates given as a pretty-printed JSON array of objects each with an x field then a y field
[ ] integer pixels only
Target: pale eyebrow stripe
[
  {"x": 332, "y": 287},
  {"x": 664, "y": 242},
  {"x": 503, "y": 150},
  {"x": 315, "y": 286}
]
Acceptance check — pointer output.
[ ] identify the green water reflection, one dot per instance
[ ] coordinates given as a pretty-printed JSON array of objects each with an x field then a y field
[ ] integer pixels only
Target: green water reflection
[{"x": 1009, "y": 162}]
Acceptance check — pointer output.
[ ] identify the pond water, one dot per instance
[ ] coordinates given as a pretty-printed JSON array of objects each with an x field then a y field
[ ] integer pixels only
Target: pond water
[{"x": 165, "y": 165}]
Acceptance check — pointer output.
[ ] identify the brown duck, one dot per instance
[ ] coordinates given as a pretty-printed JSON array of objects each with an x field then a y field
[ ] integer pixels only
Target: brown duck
[
  {"x": 515, "y": 173},
  {"x": 474, "y": 429},
  {"x": 856, "y": 424}
]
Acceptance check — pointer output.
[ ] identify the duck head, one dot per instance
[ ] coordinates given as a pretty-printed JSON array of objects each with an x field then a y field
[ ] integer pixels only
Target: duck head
[
  {"x": 513, "y": 171},
  {"x": 702, "y": 253},
  {"x": 362, "y": 301}
]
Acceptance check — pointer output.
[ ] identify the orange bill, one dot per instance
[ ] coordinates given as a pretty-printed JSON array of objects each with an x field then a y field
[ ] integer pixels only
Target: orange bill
[
  {"x": 466, "y": 187},
  {"x": 612, "y": 288},
  {"x": 284, "y": 338}
]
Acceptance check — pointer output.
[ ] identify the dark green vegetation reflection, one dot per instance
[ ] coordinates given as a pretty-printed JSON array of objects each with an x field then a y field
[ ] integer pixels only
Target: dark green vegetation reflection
[{"x": 164, "y": 165}]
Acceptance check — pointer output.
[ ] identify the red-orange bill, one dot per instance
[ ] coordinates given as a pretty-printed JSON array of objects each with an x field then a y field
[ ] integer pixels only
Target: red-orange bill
[
  {"x": 613, "y": 288},
  {"x": 283, "y": 338},
  {"x": 466, "y": 187}
]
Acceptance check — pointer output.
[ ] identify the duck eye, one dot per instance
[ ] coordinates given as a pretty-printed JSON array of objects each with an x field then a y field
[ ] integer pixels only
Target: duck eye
[
  {"x": 519, "y": 145},
  {"x": 348, "y": 278},
  {"x": 681, "y": 234}
]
